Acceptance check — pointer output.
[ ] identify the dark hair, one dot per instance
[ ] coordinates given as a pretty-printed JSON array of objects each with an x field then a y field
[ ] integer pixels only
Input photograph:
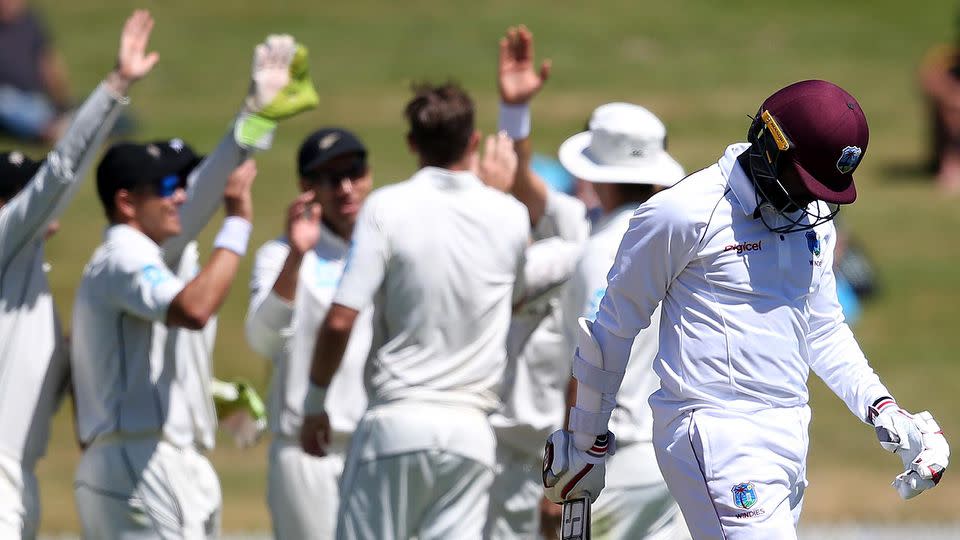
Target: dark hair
[{"x": 441, "y": 119}]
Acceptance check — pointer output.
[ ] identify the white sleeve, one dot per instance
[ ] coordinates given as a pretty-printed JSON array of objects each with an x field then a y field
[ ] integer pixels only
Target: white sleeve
[
  {"x": 661, "y": 240},
  {"x": 144, "y": 287},
  {"x": 205, "y": 187},
  {"x": 47, "y": 194},
  {"x": 835, "y": 355},
  {"x": 548, "y": 264},
  {"x": 367, "y": 260},
  {"x": 563, "y": 216},
  {"x": 269, "y": 317}
]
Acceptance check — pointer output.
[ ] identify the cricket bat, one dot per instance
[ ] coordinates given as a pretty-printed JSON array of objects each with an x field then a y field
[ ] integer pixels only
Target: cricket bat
[{"x": 575, "y": 521}]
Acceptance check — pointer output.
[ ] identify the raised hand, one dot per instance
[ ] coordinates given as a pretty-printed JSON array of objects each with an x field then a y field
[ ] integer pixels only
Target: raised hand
[
  {"x": 303, "y": 223},
  {"x": 280, "y": 82},
  {"x": 517, "y": 80},
  {"x": 498, "y": 165},
  {"x": 237, "y": 198},
  {"x": 133, "y": 61}
]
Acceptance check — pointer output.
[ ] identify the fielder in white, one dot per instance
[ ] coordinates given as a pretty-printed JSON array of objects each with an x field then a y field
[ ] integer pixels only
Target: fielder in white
[
  {"x": 33, "y": 365},
  {"x": 293, "y": 283},
  {"x": 741, "y": 256},
  {"x": 437, "y": 257}
]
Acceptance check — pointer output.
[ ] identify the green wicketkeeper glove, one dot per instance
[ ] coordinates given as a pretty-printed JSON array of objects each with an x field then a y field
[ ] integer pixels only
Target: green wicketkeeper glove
[
  {"x": 240, "y": 410},
  {"x": 280, "y": 87}
]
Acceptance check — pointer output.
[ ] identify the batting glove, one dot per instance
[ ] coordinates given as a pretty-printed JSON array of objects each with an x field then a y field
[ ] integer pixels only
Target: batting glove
[
  {"x": 918, "y": 440},
  {"x": 240, "y": 410},
  {"x": 571, "y": 473},
  {"x": 280, "y": 87}
]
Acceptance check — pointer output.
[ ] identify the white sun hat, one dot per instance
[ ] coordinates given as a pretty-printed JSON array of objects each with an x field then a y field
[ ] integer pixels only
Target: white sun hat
[{"x": 626, "y": 144}]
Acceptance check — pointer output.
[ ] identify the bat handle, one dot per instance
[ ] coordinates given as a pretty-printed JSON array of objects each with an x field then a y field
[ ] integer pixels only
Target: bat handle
[{"x": 575, "y": 521}]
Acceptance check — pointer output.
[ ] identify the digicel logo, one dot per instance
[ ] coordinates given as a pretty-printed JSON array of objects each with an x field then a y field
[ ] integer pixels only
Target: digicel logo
[{"x": 745, "y": 246}]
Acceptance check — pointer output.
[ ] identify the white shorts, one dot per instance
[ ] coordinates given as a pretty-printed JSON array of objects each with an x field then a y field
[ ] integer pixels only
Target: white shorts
[
  {"x": 636, "y": 502},
  {"x": 735, "y": 475},
  {"x": 303, "y": 491},
  {"x": 514, "y": 510},
  {"x": 147, "y": 489},
  {"x": 19, "y": 501}
]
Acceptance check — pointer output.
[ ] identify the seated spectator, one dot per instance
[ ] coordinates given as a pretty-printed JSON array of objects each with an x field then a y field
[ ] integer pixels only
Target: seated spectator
[
  {"x": 940, "y": 81},
  {"x": 34, "y": 94}
]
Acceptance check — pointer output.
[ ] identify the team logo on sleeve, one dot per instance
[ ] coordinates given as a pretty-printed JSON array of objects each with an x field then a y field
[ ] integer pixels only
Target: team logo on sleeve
[
  {"x": 744, "y": 495},
  {"x": 849, "y": 159},
  {"x": 154, "y": 275}
]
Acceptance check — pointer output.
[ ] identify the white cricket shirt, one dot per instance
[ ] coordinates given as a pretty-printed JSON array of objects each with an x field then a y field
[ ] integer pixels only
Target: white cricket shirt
[
  {"x": 286, "y": 334},
  {"x": 632, "y": 420},
  {"x": 437, "y": 255},
  {"x": 124, "y": 377},
  {"x": 746, "y": 312},
  {"x": 33, "y": 368},
  {"x": 193, "y": 349},
  {"x": 538, "y": 356}
]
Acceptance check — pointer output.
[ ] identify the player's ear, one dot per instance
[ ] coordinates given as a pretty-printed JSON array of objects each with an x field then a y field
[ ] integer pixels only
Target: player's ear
[
  {"x": 474, "y": 144},
  {"x": 124, "y": 203},
  {"x": 412, "y": 145}
]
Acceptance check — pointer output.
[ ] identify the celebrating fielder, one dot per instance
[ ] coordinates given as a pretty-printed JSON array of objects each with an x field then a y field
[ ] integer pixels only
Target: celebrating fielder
[
  {"x": 741, "y": 256},
  {"x": 294, "y": 280},
  {"x": 33, "y": 366}
]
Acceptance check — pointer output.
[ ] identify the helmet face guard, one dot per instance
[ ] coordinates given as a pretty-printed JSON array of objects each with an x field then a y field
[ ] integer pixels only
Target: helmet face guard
[{"x": 768, "y": 154}]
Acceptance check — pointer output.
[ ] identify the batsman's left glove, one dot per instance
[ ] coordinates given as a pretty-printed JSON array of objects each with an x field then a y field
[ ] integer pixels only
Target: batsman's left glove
[
  {"x": 571, "y": 473},
  {"x": 240, "y": 410},
  {"x": 280, "y": 87},
  {"x": 918, "y": 440}
]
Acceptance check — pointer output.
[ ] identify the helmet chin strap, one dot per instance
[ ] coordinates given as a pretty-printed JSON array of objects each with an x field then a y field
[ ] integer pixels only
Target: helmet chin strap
[{"x": 764, "y": 165}]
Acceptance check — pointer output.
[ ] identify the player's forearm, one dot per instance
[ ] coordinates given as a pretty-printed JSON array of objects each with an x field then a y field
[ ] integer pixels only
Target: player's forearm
[
  {"x": 528, "y": 187},
  {"x": 286, "y": 284},
  {"x": 837, "y": 359},
  {"x": 331, "y": 344},
  {"x": 202, "y": 297}
]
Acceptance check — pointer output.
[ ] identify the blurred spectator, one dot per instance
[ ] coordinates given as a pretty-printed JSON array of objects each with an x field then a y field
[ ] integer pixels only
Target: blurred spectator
[
  {"x": 34, "y": 93},
  {"x": 940, "y": 81},
  {"x": 856, "y": 278}
]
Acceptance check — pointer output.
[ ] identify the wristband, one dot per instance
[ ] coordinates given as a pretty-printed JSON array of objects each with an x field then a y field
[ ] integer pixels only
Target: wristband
[
  {"x": 515, "y": 120},
  {"x": 234, "y": 235},
  {"x": 253, "y": 132},
  {"x": 314, "y": 402}
]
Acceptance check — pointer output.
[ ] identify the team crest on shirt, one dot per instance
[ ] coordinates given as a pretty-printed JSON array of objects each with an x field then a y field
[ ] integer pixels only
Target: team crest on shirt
[
  {"x": 744, "y": 495},
  {"x": 849, "y": 159},
  {"x": 813, "y": 243},
  {"x": 153, "y": 275}
]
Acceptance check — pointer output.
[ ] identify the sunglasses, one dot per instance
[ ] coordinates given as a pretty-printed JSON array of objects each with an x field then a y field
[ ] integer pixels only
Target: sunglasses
[
  {"x": 168, "y": 185},
  {"x": 354, "y": 171}
]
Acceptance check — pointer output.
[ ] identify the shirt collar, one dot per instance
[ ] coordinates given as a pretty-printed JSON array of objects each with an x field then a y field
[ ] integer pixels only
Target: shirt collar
[
  {"x": 737, "y": 178},
  {"x": 331, "y": 239},
  {"x": 128, "y": 235},
  {"x": 445, "y": 178}
]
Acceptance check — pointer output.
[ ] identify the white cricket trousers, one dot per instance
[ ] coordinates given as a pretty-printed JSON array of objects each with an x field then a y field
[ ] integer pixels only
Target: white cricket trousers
[
  {"x": 303, "y": 490},
  {"x": 514, "y": 510},
  {"x": 19, "y": 501},
  {"x": 735, "y": 475},
  {"x": 147, "y": 488},
  {"x": 407, "y": 474}
]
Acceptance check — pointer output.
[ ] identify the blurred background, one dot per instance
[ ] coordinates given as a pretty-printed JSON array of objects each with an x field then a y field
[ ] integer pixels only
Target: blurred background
[{"x": 702, "y": 66}]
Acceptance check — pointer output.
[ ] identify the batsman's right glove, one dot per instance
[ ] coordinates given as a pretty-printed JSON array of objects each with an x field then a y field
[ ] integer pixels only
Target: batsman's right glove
[
  {"x": 571, "y": 473},
  {"x": 918, "y": 440},
  {"x": 280, "y": 87}
]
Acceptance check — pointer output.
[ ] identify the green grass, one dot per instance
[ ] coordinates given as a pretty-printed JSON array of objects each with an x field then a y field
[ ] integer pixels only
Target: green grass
[{"x": 702, "y": 66}]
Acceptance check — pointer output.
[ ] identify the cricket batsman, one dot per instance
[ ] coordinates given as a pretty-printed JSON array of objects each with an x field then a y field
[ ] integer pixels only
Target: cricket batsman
[
  {"x": 33, "y": 364},
  {"x": 740, "y": 254}
]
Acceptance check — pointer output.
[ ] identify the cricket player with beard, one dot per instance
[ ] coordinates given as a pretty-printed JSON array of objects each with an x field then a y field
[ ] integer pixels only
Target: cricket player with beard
[
  {"x": 293, "y": 283},
  {"x": 740, "y": 254},
  {"x": 142, "y": 321},
  {"x": 623, "y": 156},
  {"x": 436, "y": 258},
  {"x": 33, "y": 365}
]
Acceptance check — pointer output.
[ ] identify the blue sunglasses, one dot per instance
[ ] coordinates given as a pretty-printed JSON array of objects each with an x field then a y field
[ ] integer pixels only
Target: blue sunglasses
[{"x": 168, "y": 185}]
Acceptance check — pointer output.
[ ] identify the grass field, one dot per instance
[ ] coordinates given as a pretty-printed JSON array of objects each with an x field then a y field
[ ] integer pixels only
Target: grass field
[{"x": 702, "y": 66}]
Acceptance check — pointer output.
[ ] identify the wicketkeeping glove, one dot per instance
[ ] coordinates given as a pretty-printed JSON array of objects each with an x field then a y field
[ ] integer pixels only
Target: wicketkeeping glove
[
  {"x": 240, "y": 410},
  {"x": 571, "y": 473},
  {"x": 280, "y": 87},
  {"x": 919, "y": 442}
]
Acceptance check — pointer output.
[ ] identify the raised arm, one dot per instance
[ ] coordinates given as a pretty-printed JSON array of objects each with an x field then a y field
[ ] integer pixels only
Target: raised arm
[
  {"x": 518, "y": 84},
  {"x": 46, "y": 196},
  {"x": 280, "y": 87}
]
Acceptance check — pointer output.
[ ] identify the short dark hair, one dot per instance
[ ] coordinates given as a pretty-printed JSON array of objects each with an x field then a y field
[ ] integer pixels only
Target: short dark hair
[{"x": 441, "y": 119}]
